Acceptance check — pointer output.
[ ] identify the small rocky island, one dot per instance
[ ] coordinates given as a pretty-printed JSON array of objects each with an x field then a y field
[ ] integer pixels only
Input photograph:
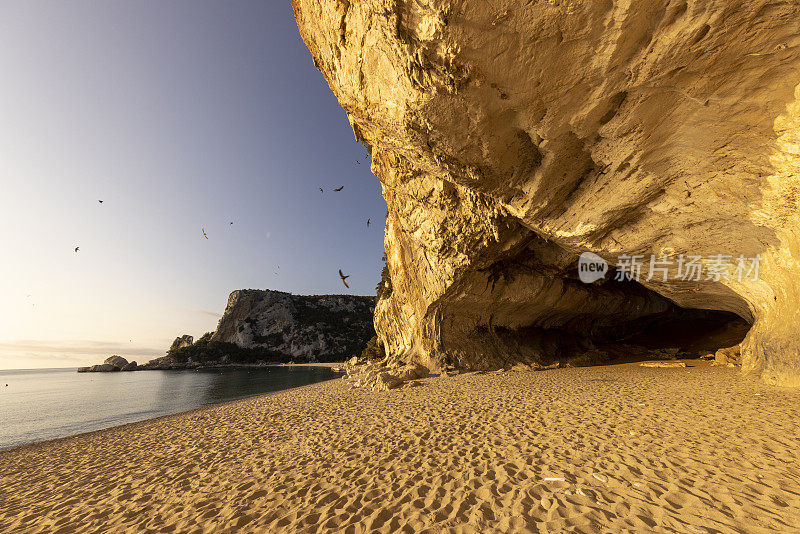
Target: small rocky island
[
  {"x": 112, "y": 364},
  {"x": 260, "y": 327}
]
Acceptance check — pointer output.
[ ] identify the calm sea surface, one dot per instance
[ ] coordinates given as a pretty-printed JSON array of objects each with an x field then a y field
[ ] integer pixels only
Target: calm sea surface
[{"x": 43, "y": 404}]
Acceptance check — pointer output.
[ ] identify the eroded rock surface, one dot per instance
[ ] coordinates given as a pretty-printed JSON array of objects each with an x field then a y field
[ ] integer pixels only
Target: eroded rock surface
[
  {"x": 510, "y": 137},
  {"x": 306, "y": 327},
  {"x": 382, "y": 375}
]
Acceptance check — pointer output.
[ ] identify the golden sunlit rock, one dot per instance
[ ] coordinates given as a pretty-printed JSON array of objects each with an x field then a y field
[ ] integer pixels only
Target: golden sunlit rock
[{"x": 510, "y": 137}]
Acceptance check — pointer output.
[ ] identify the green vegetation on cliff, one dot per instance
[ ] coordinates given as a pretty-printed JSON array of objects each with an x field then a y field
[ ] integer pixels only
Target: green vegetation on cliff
[{"x": 204, "y": 351}]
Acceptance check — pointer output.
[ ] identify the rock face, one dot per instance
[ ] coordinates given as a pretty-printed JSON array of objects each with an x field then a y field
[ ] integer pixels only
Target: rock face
[
  {"x": 112, "y": 364},
  {"x": 512, "y": 137},
  {"x": 381, "y": 375},
  {"x": 181, "y": 341},
  {"x": 101, "y": 368},
  {"x": 303, "y": 327},
  {"x": 117, "y": 361}
]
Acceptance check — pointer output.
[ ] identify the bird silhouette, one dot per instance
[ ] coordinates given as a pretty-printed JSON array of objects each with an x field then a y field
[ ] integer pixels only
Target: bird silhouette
[
  {"x": 77, "y": 249},
  {"x": 321, "y": 190},
  {"x": 358, "y": 162},
  {"x": 204, "y": 233},
  {"x": 100, "y": 201},
  {"x": 368, "y": 223},
  {"x": 231, "y": 222},
  {"x": 344, "y": 278},
  {"x": 339, "y": 188}
]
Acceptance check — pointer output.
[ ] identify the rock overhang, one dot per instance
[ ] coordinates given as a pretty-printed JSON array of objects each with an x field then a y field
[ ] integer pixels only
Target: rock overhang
[{"x": 632, "y": 128}]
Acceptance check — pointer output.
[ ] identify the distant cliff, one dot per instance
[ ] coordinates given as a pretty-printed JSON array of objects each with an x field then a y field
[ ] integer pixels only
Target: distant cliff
[
  {"x": 307, "y": 328},
  {"x": 263, "y": 326}
]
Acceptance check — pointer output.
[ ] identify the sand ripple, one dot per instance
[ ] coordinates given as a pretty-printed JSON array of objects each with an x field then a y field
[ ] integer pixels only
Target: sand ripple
[{"x": 623, "y": 448}]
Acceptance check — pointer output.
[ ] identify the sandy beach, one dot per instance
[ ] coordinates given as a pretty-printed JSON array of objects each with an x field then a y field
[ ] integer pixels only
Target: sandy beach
[{"x": 616, "y": 448}]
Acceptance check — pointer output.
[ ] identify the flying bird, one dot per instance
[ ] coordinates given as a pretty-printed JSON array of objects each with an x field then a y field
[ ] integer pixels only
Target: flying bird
[
  {"x": 77, "y": 249},
  {"x": 368, "y": 223},
  {"x": 344, "y": 278},
  {"x": 231, "y": 222},
  {"x": 204, "y": 233},
  {"x": 100, "y": 201},
  {"x": 358, "y": 162},
  {"x": 339, "y": 188},
  {"x": 321, "y": 190}
]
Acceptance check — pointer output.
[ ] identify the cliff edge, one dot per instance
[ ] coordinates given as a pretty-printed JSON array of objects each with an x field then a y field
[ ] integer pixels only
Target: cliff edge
[{"x": 307, "y": 328}]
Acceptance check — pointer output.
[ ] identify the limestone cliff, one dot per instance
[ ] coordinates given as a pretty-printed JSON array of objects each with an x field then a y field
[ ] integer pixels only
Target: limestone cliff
[
  {"x": 307, "y": 328},
  {"x": 181, "y": 341},
  {"x": 512, "y": 136}
]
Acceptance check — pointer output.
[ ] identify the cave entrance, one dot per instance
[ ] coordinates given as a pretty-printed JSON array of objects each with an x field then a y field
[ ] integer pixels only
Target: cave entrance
[
  {"x": 530, "y": 306},
  {"x": 676, "y": 332},
  {"x": 693, "y": 332}
]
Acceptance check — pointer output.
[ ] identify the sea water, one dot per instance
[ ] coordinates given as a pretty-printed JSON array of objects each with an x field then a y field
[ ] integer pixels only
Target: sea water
[{"x": 42, "y": 404}]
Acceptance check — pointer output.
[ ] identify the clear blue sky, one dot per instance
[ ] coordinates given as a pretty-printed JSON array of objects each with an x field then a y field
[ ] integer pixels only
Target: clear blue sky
[{"x": 179, "y": 115}]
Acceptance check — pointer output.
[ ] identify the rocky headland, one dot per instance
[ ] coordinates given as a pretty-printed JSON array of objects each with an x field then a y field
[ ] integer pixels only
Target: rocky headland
[
  {"x": 112, "y": 364},
  {"x": 301, "y": 327},
  {"x": 262, "y": 327}
]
